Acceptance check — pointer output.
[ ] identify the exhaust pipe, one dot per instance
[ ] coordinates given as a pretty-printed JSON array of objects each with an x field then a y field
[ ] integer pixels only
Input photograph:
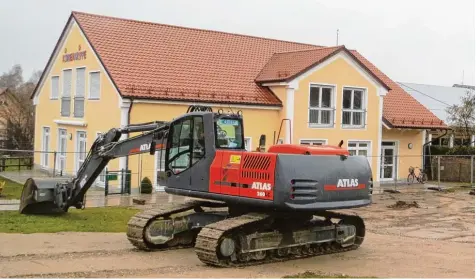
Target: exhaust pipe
[{"x": 41, "y": 196}]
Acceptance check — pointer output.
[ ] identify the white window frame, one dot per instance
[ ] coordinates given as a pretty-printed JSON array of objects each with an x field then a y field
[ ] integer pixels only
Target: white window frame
[
  {"x": 250, "y": 143},
  {"x": 332, "y": 108},
  {"x": 396, "y": 163},
  {"x": 313, "y": 142},
  {"x": 101, "y": 179},
  {"x": 159, "y": 155},
  {"x": 45, "y": 156},
  {"x": 363, "y": 111},
  {"x": 52, "y": 97},
  {"x": 77, "y": 148},
  {"x": 59, "y": 155},
  {"x": 63, "y": 91},
  {"x": 357, "y": 148},
  {"x": 76, "y": 92},
  {"x": 90, "y": 83}
]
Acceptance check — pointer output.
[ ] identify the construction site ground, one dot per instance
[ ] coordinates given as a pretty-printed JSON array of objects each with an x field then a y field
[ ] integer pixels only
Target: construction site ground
[{"x": 409, "y": 234}]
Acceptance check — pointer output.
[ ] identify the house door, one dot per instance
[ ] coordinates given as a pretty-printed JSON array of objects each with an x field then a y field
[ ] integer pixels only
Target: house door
[
  {"x": 388, "y": 163},
  {"x": 80, "y": 149},
  {"x": 61, "y": 156}
]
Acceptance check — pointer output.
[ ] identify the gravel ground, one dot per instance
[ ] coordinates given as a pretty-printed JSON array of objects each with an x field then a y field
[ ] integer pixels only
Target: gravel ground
[{"x": 421, "y": 234}]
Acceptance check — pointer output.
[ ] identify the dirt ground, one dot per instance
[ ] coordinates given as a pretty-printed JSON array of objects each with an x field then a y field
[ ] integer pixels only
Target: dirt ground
[{"x": 432, "y": 238}]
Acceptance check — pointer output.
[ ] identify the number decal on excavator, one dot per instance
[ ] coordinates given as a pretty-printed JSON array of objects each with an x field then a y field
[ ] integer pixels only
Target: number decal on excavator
[{"x": 262, "y": 194}]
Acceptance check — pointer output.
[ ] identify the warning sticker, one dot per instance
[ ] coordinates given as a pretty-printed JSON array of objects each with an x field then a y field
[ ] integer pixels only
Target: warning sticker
[{"x": 235, "y": 159}]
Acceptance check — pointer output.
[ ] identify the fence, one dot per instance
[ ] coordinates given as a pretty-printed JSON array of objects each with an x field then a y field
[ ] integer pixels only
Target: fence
[{"x": 143, "y": 171}]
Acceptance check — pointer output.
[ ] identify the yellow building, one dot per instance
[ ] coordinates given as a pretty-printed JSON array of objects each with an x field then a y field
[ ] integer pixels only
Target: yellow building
[{"x": 108, "y": 72}]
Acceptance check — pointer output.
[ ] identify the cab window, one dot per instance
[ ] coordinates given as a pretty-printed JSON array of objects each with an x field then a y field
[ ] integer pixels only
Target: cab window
[
  {"x": 229, "y": 134},
  {"x": 187, "y": 144}
]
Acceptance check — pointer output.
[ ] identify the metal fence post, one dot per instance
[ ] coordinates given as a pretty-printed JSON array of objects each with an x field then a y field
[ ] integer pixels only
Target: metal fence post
[
  {"x": 54, "y": 163},
  {"x": 122, "y": 181},
  {"x": 439, "y": 171},
  {"x": 106, "y": 184},
  {"x": 472, "y": 169}
]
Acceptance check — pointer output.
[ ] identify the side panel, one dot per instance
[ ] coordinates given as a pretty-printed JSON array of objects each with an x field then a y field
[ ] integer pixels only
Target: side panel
[
  {"x": 257, "y": 176},
  {"x": 322, "y": 182},
  {"x": 243, "y": 174},
  {"x": 225, "y": 171}
]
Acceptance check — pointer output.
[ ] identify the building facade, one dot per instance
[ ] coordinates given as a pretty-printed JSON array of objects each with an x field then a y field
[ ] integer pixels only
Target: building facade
[{"x": 109, "y": 72}]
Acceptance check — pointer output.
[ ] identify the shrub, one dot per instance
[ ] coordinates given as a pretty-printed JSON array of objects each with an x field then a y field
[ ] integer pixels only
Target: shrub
[
  {"x": 461, "y": 150},
  {"x": 146, "y": 186}
]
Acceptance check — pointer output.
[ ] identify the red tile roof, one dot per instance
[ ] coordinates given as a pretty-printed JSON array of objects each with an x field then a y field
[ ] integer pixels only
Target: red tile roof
[
  {"x": 400, "y": 109},
  {"x": 178, "y": 63},
  {"x": 287, "y": 65},
  {"x": 165, "y": 62}
]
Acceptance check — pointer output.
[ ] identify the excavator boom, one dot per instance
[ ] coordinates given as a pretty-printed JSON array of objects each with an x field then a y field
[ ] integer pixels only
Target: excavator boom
[{"x": 56, "y": 195}]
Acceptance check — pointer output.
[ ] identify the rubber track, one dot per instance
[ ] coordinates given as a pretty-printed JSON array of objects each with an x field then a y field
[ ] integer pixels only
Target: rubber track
[
  {"x": 207, "y": 242},
  {"x": 137, "y": 224}
]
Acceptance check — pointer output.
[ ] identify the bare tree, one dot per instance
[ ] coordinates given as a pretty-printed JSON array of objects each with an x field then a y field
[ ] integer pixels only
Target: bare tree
[
  {"x": 17, "y": 113},
  {"x": 461, "y": 116}
]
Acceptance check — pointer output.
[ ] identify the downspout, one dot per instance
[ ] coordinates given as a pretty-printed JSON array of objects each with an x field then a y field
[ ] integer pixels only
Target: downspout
[{"x": 128, "y": 123}]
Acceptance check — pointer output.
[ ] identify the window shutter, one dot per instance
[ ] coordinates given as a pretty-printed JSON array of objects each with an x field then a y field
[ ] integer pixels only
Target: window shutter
[
  {"x": 54, "y": 87},
  {"x": 94, "y": 85},
  {"x": 80, "y": 82}
]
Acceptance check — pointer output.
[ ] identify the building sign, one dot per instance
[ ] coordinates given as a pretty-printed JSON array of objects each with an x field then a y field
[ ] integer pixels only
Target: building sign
[{"x": 74, "y": 56}]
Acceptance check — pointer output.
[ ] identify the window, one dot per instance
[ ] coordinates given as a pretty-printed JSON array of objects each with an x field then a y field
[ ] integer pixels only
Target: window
[
  {"x": 248, "y": 144},
  {"x": 229, "y": 134},
  {"x": 80, "y": 149},
  {"x": 66, "y": 96},
  {"x": 94, "y": 85},
  {"x": 321, "y": 106},
  {"x": 79, "y": 92},
  {"x": 359, "y": 148},
  {"x": 62, "y": 140},
  {"x": 313, "y": 142},
  {"x": 353, "y": 109},
  {"x": 55, "y": 87},
  {"x": 101, "y": 180},
  {"x": 46, "y": 146}
]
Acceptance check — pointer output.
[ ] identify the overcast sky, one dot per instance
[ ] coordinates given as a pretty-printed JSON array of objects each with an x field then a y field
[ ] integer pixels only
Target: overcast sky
[{"x": 420, "y": 41}]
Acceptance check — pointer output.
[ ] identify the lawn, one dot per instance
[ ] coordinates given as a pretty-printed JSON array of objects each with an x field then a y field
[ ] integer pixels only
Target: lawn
[
  {"x": 94, "y": 219},
  {"x": 11, "y": 190}
]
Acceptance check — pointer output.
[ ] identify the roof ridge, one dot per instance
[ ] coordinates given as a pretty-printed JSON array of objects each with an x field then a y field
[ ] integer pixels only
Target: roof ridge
[
  {"x": 310, "y": 49},
  {"x": 191, "y": 28}
]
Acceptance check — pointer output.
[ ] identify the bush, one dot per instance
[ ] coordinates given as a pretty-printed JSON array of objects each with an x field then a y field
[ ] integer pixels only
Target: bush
[
  {"x": 461, "y": 150},
  {"x": 146, "y": 186},
  {"x": 457, "y": 150}
]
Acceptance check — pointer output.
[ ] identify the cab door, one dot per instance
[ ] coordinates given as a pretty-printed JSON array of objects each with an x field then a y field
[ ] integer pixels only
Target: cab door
[{"x": 179, "y": 154}]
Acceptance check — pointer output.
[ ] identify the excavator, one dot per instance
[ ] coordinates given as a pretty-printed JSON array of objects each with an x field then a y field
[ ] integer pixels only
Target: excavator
[{"x": 245, "y": 207}]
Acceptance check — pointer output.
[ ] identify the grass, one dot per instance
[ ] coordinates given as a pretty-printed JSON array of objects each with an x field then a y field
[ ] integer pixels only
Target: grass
[
  {"x": 309, "y": 274},
  {"x": 97, "y": 219},
  {"x": 11, "y": 190}
]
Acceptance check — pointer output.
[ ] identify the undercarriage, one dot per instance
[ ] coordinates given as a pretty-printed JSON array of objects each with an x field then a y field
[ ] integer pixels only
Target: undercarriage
[{"x": 225, "y": 237}]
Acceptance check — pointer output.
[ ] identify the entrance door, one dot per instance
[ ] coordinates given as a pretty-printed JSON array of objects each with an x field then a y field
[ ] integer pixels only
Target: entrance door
[
  {"x": 80, "y": 149},
  {"x": 388, "y": 165}
]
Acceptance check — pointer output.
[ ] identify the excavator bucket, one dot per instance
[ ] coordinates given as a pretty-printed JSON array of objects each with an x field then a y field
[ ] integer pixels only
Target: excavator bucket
[{"x": 38, "y": 197}]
